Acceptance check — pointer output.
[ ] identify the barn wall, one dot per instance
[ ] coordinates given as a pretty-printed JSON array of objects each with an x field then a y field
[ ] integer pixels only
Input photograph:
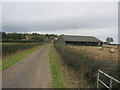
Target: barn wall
[{"x": 83, "y": 43}]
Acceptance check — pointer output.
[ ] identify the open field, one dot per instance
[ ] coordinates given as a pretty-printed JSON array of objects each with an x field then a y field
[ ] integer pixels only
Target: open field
[{"x": 103, "y": 54}]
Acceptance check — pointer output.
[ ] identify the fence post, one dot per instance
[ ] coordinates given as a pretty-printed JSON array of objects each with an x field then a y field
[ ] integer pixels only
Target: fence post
[
  {"x": 98, "y": 80},
  {"x": 110, "y": 84}
]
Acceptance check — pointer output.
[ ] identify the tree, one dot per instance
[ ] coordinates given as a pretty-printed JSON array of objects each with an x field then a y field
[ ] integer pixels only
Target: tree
[
  {"x": 33, "y": 34},
  {"x": 40, "y": 38},
  {"x": 109, "y": 39},
  {"x": 3, "y": 35}
]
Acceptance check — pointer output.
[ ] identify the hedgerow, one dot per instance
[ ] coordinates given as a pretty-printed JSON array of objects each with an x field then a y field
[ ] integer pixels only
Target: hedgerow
[
  {"x": 8, "y": 49},
  {"x": 87, "y": 66}
]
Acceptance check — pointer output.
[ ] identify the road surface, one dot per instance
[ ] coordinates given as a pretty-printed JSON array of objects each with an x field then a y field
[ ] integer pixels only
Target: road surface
[{"x": 31, "y": 72}]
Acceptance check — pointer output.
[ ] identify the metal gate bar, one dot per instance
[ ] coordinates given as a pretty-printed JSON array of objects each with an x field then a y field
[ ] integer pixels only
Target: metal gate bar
[{"x": 111, "y": 79}]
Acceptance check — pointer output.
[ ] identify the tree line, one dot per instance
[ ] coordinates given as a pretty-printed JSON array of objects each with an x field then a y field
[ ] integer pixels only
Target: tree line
[{"x": 26, "y": 37}]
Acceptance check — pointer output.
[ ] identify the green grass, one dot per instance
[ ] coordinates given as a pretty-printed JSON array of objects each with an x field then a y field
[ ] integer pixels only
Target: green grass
[
  {"x": 17, "y": 57},
  {"x": 57, "y": 76}
]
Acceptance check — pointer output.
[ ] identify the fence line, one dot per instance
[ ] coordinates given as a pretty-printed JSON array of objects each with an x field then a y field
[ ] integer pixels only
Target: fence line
[{"x": 111, "y": 79}]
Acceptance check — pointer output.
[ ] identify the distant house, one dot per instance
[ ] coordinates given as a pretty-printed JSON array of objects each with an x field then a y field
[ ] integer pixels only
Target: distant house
[
  {"x": 27, "y": 37},
  {"x": 55, "y": 39},
  {"x": 79, "y": 40}
]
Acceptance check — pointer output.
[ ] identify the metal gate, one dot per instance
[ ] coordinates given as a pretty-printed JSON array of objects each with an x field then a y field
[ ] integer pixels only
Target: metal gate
[{"x": 110, "y": 77}]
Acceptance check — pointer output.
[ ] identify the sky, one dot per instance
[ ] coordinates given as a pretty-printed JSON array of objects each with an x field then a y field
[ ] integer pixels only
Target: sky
[{"x": 99, "y": 19}]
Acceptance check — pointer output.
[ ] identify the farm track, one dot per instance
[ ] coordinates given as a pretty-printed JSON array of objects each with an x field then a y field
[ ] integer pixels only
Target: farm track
[{"x": 31, "y": 72}]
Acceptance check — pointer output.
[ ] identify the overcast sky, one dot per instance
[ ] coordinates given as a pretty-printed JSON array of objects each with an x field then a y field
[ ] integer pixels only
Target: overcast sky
[{"x": 79, "y": 18}]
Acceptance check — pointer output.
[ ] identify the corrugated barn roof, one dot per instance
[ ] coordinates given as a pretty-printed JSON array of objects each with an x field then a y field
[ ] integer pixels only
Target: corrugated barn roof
[{"x": 80, "y": 38}]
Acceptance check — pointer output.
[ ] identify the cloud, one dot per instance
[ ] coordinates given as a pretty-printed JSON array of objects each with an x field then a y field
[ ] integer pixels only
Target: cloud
[
  {"x": 86, "y": 32},
  {"x": 98, "y": 19}
]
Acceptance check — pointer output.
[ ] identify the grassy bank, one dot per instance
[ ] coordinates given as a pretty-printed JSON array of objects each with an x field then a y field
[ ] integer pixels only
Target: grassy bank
[
  {"x": 57, "y": 77},
  {"x": 86, "y": 65},
  {"x": 17, "y": 57}
]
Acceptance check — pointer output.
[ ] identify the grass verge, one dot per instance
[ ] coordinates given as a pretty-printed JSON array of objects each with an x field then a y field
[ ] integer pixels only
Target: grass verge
[
  {"x": 57, "y": 76},
  {"x": 17, "y": 57}
]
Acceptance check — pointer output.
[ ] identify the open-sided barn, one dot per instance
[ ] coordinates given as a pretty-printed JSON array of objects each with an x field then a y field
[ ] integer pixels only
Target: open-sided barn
[{"x": 79, "y": 40}]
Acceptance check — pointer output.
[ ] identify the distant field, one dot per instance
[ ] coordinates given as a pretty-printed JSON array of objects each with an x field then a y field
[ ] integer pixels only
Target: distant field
[{"x": 103, "y": 54}]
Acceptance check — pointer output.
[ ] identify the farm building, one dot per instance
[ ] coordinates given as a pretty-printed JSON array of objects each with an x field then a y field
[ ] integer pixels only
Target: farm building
[
  {"x": 79, "y": 40},
  {"x": 27, "y": 37}
]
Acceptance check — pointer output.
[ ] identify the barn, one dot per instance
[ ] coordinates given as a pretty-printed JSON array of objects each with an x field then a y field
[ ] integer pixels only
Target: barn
[{"x": 79, "y": 40}]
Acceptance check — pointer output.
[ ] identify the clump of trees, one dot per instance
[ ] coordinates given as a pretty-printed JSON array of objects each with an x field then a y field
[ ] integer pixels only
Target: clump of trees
[
  {"x": 109, "y": 40},
  {"x": 26, "y": 37}
]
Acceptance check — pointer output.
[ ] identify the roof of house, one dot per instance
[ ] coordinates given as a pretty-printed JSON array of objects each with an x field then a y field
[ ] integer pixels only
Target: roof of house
[{"x": 80, "y": 38}]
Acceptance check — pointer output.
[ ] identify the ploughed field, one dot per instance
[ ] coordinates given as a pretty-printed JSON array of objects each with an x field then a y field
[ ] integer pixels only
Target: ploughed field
[{"x": 98, "y": 53}]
